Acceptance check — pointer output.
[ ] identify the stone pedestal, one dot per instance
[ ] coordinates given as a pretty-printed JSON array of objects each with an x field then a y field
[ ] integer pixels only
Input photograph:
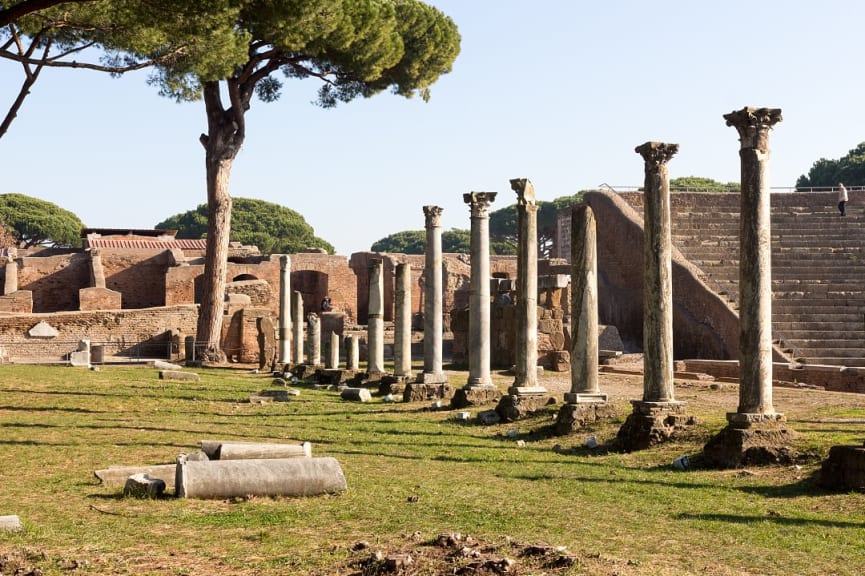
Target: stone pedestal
[
  {"x": 416, "y": 392},
  {"x": 477, "y": 396},
  {"x": 513, "y": 407},
  {"x": 844, "y": 469},
  {"x": 573, "y": 417},
  {"x": 751, "y": 440},
  {"x": 652, "y": 423}
]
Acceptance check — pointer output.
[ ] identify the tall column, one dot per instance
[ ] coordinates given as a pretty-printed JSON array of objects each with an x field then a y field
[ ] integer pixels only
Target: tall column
[
  {"x": 297, "y": 326},
  {"x": 284, "y": 313},
  {"x": 526, "y": 377},
  {"x": 432, "y": 308},
  {"x": 402, "y": 322},
  {"x": 584, "y": 308},
  {"x": 314, "y": 337},
  {"x": 755, "y": 433},
  {"x": 658, "y": 275},
  {"x": 755, "y": 261},
  {"x": 375, "y": 321},
  {"x": 479, "y": 290}
]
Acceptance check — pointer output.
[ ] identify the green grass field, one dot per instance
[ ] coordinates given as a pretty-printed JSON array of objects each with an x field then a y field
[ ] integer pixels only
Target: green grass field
[{"x": 412, "y": 474}]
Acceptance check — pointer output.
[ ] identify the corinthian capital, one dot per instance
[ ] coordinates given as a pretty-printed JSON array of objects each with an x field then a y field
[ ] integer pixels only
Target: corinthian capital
[
  {"x": 753, "y": 125},
  {"x": 656, "y": 153},
  {"x": 479, "y": 202},
  {"x": 433, "y": 216},
  {"x": 525, "y": 191}
]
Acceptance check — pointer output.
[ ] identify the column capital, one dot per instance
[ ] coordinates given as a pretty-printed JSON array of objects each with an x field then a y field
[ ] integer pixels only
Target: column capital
[
  {"x": 753, "y": 125},
  {"x": 656, "y": 153},
  {"x": 480, "y": 203},
  {"x": 374, "y": 263},
  {"x": 284, "y": 262},
  {"x": 525, "y": 191},
  {"x": 433, "y": 215}
]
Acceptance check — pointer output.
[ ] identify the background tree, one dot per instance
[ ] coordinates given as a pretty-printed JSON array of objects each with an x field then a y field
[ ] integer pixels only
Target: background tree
[
  {"x": 849, "y": 169},
  {"x": 39, "y": 34},
  {"x": 699, "y": 184},
  {"x": 504, "y": 226},
  {"x": 353, "y": 47},
  {"x": 273, "y": 228},
  {"x": 454, "y": 241},
  {"x": 35, "y": 222}
]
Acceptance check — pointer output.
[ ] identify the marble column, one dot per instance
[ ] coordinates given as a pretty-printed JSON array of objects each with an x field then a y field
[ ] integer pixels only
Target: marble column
[
  {"x": 479, "y": 290},
  {"x": 375, "y": 317},
  {"x": 297, "y": 326},
  {"x": 526, "y": 376},
  {"x": 755, "y": 433},
  {"x": 584, "y": 308},
  {"x": 352, "y": 353},
  {"x": 402, "y": 322},
  {"x": 432, "y": 309},
  {"x": 11, "y": 281},
  {"x": 333, "y": 352},
  {"x": 755, "y": 262},
  {"x": 658, "y": 275},
  {"x": 313, "y": 323},
  {"x": 284, "y": 351}
]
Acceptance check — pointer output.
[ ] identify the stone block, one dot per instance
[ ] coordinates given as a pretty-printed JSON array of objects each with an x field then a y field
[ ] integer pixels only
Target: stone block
[
  {"x": 653, "y": 423},
  {"x": 759, "y": 444},
  {"x": 10, "y": 523},
  {"x": 418, "y": 392},
  {"x": 356, "y": 394},
  {"x": 514, "y": 407},
  {"x": 116, "y": 476},
  {"x": 467, "y": 397},
  {"x": 575, "y": 417},
  {"x": 144, "y": 486},
  {"x": 844, "y": 469}
]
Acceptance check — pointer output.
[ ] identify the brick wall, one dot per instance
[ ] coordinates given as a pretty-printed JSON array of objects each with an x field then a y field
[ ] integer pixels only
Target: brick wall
[{"x": 54, "y": 280}]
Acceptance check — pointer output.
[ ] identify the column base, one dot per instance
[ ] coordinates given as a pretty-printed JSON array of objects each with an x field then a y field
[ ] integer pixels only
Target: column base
[
  {"x": 584, "y": 398},
  {"x": 479, "y": 382},
  {"x": 514, "y": 406},
  {"x": 751, "y": 440},
  {"x": 432, "y": 378},
  {"x": 477, "y": 396},
  {"x": 573, "y": 417},
  {"x": 527, "y": 391},
  {"x": 653, "y": 423},
  {"x": 418, "y": 392},
  {"x": 844, "y": 469}
]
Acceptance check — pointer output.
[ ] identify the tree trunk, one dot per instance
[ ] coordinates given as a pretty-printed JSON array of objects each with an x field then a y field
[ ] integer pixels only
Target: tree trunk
[{"x": 221, "y": 145}]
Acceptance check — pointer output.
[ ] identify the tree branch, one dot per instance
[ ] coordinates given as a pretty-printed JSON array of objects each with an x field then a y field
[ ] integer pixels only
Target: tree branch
[
  {"x": 15, "y": 12},
  {"x": 54, "y": 63}
]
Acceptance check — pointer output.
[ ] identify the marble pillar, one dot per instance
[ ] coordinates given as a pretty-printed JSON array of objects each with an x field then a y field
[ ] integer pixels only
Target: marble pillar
[
  {"x": 284, "y": 349},
  {"x": 755, "y": 263},
  {"x": 432, "y": 309},
  {"x": 755, "y": 433},
  {"x": 297, "y": 326},
  {"x": 375, "y": 317},
  {"x": 313, "y": 323},
  {"x": 333, "y": 352},
  {"x": 526, "y": 372},
  {"x": 479, "y": 290},
  {"x": 402, "y": 322},
  {"x": 584, "y": 308},
  {"x": 657, "y": 417},
  {"x": 11, "y": 282},
  {"x": 352, "y": 353}
]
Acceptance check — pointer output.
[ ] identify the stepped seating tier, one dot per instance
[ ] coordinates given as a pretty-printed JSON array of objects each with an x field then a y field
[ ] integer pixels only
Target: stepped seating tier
[{"x": 818, "y": 266}]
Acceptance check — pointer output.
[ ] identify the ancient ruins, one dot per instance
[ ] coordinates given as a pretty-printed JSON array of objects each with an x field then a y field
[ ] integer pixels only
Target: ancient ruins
[{"x": 685, "y": 278}]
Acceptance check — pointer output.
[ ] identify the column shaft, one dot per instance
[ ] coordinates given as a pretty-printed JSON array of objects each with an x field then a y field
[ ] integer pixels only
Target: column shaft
[
  {"x": 432, "y": 314},
  {"x": 584, "y": 304},
  {"x": 314, "y": 338},
  {"x": 658, "y": 276},
  {"x": 402, "y": 321},
  {"x": 479, "y": 289},
  {"x": 284, "y": 351},
  {"x": 526, "y": 376},
  {"x": 297, "y": 326},
  {"x": 375, "y": 321},
  {"x": 755, "y": 260}
]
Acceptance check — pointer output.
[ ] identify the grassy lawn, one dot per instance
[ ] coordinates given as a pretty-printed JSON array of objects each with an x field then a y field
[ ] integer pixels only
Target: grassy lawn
[{"x": 412, "y": 474}]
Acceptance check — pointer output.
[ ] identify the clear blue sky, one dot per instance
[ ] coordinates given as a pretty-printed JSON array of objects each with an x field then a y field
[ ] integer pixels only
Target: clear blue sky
[{"x": 558, "y": 91}]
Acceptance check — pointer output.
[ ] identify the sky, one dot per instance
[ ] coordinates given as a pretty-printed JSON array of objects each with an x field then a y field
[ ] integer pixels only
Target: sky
[{"x": 557, "y": 91}]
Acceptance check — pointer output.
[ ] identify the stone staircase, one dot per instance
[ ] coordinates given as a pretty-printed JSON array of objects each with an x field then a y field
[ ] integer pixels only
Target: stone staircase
[{"x": 818, "y": 266}]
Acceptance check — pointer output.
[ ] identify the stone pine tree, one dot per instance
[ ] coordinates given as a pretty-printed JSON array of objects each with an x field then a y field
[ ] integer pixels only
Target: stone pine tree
[{"x": 353, "y": 47}]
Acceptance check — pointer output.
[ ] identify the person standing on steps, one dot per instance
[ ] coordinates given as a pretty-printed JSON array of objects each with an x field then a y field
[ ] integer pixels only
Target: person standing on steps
[{"x": 842, "y": 199}]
